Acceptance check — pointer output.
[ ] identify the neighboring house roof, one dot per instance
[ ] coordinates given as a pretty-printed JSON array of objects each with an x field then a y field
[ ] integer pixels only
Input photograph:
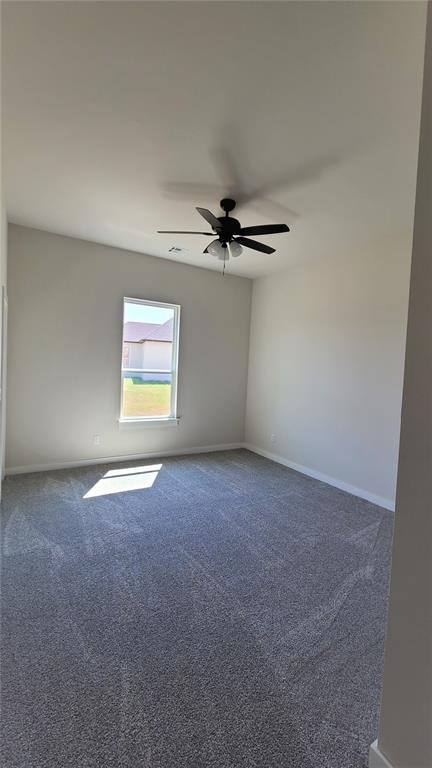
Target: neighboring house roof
[
  {"x": 163, "y": 332},
  {"x": 138, "y": 332}
]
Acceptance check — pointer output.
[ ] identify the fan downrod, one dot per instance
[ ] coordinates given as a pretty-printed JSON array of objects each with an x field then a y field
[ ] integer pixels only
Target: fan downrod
[{"x": 227, "y": 205}]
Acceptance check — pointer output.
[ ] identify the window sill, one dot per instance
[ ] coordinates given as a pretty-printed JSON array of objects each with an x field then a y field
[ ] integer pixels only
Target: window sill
[{"x": 158, "y": 423}]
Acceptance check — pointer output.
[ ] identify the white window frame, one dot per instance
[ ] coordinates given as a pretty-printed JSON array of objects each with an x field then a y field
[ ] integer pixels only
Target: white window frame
[{"x": 173, "y": 371}]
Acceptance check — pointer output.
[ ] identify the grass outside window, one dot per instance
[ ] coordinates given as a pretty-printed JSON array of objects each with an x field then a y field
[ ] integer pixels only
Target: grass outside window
[{"x": 145, "y": 398}]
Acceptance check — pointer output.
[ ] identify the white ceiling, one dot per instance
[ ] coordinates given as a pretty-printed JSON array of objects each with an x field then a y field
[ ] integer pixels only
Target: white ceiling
[{"x": 119, "y": 118}]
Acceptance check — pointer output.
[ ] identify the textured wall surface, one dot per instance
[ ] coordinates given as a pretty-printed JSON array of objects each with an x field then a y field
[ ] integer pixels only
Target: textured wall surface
[
  {"x": 405, "y": 732},
  {"x": 326, "y": 365},
  {"x": 65, "y": 349}
]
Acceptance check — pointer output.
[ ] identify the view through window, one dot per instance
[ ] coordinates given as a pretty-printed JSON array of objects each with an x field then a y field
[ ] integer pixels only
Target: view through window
[{"x": 149, "y": 359}]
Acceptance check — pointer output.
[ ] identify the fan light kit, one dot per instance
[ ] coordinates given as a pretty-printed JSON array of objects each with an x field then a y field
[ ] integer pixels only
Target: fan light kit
[{"x": 230, "y": 235}]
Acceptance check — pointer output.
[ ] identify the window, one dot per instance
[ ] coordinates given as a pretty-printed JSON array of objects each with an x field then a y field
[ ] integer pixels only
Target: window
[{"x": 149, "y": 360}]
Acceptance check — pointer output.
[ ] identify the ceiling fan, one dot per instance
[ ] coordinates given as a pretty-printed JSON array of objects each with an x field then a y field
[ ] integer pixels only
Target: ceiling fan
[{"x": 231, "y": 236}]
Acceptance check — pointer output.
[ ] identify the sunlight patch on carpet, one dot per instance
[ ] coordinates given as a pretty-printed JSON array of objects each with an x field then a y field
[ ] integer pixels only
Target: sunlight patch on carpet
[{"x": 123, "y": 480}]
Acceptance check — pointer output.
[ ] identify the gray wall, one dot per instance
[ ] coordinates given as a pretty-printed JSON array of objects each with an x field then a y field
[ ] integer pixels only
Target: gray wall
[
  {"x": 406, "y": 712},
  {"x": 326, "y": 366},
  {"x": 3, "y": 337},
  {"x": 65, "y": 346}
]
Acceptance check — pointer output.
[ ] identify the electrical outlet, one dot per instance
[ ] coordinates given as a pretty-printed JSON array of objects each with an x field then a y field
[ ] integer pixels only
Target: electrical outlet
[
  {"x": 96, "y": 439},
  {"x": 272, "y": 437}
]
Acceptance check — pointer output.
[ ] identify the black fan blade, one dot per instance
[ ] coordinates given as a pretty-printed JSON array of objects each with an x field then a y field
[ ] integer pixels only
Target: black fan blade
[
  {"x": 265, "y": 229},
  {"x": 210, "y": 218},
  {"x": 181, "y": 232},
  {"x": 254, "y": 245}
]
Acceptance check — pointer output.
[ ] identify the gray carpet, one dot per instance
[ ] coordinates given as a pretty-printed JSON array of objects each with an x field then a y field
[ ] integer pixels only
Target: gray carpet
[{"x": 229, "y": 616}]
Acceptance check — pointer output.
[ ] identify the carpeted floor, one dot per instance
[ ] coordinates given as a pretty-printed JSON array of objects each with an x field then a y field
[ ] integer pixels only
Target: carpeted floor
[{"x": 228, "y": 614}]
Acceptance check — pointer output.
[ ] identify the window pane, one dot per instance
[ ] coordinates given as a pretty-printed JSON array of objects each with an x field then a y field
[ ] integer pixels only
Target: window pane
[
  {"x": 149, "y": 336},
  {"x": 146, "y": 394},
  {"x": 148, "y": 333}
]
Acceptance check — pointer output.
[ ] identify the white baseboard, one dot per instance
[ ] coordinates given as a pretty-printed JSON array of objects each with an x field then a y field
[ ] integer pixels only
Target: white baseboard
[
  {"x": 127, "y": 457},
  {"x": 376, "y": 758},
  {"x": 380, "y": 501}
]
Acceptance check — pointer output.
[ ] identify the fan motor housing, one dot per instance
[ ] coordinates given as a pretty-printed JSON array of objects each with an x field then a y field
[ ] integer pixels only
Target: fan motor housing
[{"x": 229, "y": 228}]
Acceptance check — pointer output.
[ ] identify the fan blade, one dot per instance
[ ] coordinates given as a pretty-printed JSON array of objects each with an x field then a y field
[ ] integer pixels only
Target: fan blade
[
  {"x": 254, "y": 245},
  {"x": 210, "y": 218},
  {"x": 181, "y": 232},
  {"x": 265, "y": 229}
]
